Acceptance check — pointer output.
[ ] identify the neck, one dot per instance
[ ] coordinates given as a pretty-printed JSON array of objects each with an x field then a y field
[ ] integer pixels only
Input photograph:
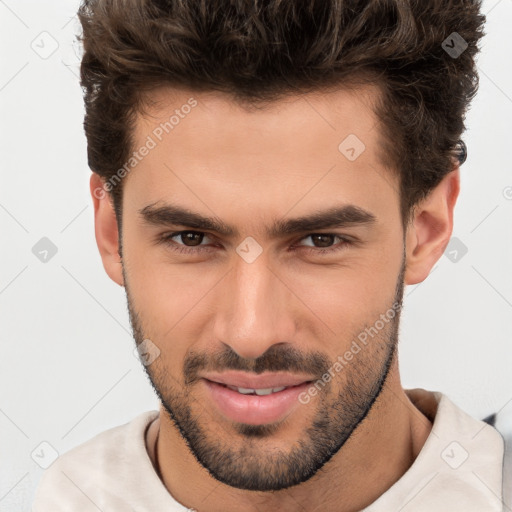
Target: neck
[{"x": 378, "y": 453}]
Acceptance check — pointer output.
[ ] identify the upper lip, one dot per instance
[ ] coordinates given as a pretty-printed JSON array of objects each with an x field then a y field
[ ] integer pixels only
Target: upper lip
[{"x": 263, "y": 381}]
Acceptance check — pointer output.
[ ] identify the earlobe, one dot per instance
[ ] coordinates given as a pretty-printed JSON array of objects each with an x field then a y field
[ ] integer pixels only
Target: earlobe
[
  {"x": 431, "y": 228},
  {"x": 106, "y": 230}
]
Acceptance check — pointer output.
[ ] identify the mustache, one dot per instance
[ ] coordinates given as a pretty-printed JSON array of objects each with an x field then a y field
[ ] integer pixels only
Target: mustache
[{"x": 276, "y": 358}]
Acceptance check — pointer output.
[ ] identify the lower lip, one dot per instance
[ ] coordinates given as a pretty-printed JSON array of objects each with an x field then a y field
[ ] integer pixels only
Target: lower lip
[{"x": 254, "y": 409}]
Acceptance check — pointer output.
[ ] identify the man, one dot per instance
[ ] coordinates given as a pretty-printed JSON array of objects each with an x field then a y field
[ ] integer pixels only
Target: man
[{"x": 267, "y": 177}]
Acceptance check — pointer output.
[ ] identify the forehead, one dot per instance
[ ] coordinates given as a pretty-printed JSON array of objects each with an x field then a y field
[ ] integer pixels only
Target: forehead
[
  {"x": 303, "y": 149},
  {"x": 215, "y": 118}
]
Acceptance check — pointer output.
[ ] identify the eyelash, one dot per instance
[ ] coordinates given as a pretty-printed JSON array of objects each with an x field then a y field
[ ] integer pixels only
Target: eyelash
[{"x": 183, "y": 249}]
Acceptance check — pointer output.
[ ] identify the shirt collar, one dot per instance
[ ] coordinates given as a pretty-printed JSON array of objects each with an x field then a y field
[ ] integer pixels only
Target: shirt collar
[{"x": 458, "y": 468}]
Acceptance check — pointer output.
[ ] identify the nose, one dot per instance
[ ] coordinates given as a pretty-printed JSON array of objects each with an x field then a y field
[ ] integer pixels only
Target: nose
[{"x": 256, "y": 309}]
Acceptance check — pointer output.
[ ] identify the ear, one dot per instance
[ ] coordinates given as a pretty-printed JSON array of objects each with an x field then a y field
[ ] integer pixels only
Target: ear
[
  {"x": 106, "y": 231},
  {"x": 430, "y": 230}
]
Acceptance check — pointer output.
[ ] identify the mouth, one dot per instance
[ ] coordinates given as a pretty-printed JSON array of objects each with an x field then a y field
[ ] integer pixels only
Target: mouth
[
  {"x": 254, "y": 405},
  {"x": 259, "y": 391}
]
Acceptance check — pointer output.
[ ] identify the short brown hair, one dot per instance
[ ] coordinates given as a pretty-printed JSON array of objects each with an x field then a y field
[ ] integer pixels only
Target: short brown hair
[{"x": 259, "y": 51}]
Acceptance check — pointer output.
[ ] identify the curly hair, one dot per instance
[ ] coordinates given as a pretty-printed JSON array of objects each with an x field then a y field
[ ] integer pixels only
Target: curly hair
[{"x": 258, "y": 51}]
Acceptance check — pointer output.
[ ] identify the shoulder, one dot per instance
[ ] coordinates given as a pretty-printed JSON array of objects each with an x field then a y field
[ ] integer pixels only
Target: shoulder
[
  {"x": 463, "y": 452},
  {"x": 93, "y": 470},
  {"x": 502, "y": 422}
]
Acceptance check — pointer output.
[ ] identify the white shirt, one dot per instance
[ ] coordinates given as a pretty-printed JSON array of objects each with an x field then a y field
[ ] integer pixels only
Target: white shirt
[{"x": 459, "y": 468}]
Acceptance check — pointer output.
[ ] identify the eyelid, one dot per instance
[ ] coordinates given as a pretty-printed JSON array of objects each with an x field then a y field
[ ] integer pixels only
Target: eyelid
[
  {"x": 345, "y": 241},
  {"x": 343, "y": 238},
  {"x": 169, "y": 236},
  {"x": 303, "y": 237}
]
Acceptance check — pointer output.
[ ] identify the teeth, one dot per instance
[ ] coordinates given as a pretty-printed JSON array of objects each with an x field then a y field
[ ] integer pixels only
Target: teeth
[
  {"x": 245, "y": 391},
  {"x": 259, "y": 392}
]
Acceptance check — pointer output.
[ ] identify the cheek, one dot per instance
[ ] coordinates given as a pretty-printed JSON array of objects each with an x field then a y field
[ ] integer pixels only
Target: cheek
[
  {"x": 169, "y": 298},
  {"x": 349, "y": 296}
]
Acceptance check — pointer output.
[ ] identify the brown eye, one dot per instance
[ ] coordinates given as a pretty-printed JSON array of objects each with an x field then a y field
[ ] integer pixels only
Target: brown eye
[
  {"x": 321, "y": 240},
  {"x": 191, "y": 238},
  {"x": 324, "y": 240},
  {"x": 325, "y": 243},
  {"x": 186, "y": 241}
]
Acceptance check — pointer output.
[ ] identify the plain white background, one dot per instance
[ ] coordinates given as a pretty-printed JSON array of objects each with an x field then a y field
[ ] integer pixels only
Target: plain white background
[{"x": 67, "y": 366}]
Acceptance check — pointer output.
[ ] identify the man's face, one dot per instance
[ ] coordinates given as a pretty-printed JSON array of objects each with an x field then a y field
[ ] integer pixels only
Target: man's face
[{"x": 281, "y": 306}]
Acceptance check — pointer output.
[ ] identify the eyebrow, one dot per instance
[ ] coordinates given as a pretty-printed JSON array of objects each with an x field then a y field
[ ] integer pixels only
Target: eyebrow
[{"x": 336, "y": 217}]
